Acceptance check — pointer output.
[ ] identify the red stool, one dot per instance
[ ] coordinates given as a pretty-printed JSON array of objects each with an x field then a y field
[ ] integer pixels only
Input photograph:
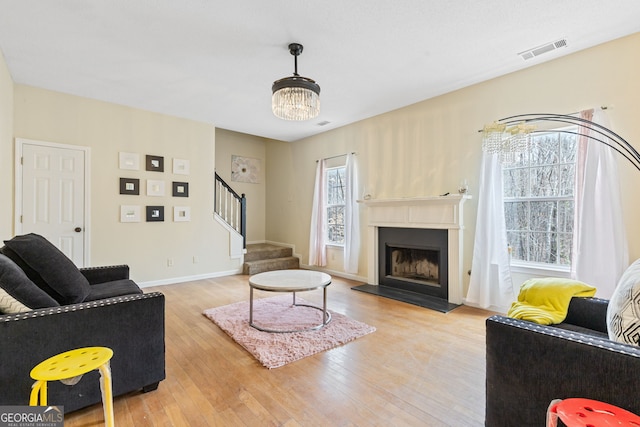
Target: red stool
[{"x": 589, "y": 413}]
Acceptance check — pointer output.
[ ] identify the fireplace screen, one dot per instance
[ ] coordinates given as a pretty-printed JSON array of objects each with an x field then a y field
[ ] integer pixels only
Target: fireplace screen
[{"x": 413, "y": 264}]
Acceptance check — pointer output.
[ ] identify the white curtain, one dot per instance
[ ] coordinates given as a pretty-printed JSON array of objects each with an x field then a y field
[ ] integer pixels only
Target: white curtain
[
  {"x": 491, "y": 285},
  {"x": 351, "y": 216},
  {"x": 599, "y": 255},
  {"x": 318, "y": 231}
]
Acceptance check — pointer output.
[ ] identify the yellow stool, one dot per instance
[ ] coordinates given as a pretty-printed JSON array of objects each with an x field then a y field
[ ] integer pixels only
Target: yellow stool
[{"x": 71, "y": 364}]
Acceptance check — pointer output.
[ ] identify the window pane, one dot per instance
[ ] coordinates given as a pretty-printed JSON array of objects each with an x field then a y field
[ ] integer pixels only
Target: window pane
[
  {"x": 515, "y": 182},
  {"x": 335, "y": 186},
  {"x": 565, "y": 216},
  {"x": 568, "y": 143},
  {"x": 335, "y": 224},
  {"x": 544, "y": 181},
  {"x": 544, "y": 149},
  {"x": 543, "y": 247},
  {"x": 567, "y": 180},
  {"x": 564, "y": 248},
  {"x": 516, "y": 216},
  {"x": 542, "y": 216},
  {"x": 518, "y": 243}
]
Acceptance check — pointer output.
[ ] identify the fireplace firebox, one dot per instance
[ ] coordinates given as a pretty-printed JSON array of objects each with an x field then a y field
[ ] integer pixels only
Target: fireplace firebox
[{"x": 414, "y": 260}]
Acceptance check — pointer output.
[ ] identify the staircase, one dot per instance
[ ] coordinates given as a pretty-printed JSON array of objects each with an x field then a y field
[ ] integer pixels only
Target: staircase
[{"x": 262, "y": 257}]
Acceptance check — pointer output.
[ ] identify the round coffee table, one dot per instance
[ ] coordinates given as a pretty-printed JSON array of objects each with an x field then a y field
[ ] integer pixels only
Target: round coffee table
[{"x": 291, "y": 281}]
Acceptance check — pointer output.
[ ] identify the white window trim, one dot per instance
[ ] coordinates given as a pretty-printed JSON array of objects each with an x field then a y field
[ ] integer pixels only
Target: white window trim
[{"x": 540, "y": 269}]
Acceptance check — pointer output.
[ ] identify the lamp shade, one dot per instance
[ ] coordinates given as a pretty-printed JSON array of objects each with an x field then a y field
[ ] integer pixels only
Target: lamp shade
[{"x": 295, "y": 97}]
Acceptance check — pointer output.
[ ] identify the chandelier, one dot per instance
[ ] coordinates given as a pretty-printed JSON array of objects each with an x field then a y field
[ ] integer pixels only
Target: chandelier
[
  {"x": 506, "y": 139},
  {"x": 510, "y": 136},
  {"x": 295, "y": 97}
]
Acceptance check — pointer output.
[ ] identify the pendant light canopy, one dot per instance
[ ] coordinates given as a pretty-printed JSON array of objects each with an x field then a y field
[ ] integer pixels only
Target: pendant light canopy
[{"x": 295, "y": 97}]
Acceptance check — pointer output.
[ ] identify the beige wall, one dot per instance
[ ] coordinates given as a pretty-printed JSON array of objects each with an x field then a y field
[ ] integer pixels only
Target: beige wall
[
  {"x": 229, "y": 143},
  {"x": 427, "y": 148},
  {"x": 6, "y": 150},
  {"x": 109, "y": 129}
]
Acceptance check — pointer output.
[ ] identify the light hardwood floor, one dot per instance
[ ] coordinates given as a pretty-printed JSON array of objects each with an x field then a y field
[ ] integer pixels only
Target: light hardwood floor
[{"x": 420, "y": 368}]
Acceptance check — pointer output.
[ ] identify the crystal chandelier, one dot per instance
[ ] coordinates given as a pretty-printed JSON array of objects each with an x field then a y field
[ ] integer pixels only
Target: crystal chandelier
[
  {"x": 498, "y": 138},
  {"x": 511, "y": 135},
  {"x": 295, "y": 97}
]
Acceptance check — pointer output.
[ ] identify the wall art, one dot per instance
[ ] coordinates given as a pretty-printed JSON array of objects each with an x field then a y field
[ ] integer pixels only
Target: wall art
[
  {"x": 130, "y": 186},
  {"x": 180, "y": 189},
  {"x": 129, "y": 213},
  {"x": 181, "y": 213},
  {"x": 155, "y": 188},
  {"x": 245, "y": 169},
  {"x": 155, "y": 163},
  {"x": 155, "y": 213},
  {"x": 129, "y": 160},
  {"x": 181, "y": 167}
]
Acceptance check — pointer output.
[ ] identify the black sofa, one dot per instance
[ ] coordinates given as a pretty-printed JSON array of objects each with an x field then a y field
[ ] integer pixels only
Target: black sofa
[
  {"x": 113, "y": 312},
  {"x": 529, "y": 365}
]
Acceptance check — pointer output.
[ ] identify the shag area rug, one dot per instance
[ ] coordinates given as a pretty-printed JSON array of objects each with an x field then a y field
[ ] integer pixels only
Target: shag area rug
[{"x": 274, "y": 350}]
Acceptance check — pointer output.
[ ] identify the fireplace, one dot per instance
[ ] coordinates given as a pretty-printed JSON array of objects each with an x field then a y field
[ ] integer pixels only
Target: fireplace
[
  {"x": 414, "y": 260},
  {"x": 427, "y": 228}
]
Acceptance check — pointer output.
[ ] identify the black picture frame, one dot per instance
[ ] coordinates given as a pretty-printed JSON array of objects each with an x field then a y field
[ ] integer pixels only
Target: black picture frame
[
  {"x": 130, "y": 186},
  {"x": 180, "y": 189},
  {"x": 155, "y": 213},
  {"x": 154, "y": 163}
]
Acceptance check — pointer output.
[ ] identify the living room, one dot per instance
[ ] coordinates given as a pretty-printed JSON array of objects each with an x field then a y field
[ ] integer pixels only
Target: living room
[{"x": 420, "y": 150}]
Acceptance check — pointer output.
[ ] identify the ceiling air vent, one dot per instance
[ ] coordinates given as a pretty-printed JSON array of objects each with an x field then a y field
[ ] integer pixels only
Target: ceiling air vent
[
  {"x": 537, "y": 51},
  {"x": 323, "y": 123}
]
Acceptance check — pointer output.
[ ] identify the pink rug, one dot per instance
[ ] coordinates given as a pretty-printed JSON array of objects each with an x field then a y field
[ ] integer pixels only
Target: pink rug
[{"x": 274, "y": 350}]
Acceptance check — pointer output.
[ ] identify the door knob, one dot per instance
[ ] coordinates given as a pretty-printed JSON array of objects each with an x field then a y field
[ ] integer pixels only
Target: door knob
[{"x": 77, "y": 229}]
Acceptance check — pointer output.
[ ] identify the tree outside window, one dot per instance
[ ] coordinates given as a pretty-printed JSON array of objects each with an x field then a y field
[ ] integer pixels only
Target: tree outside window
[
  {"x": 539, "y": 199},
  {"x": 335, "y": 205}
]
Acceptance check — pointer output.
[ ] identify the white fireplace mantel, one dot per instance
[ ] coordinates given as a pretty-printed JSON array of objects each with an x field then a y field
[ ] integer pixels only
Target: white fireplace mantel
[{"x": 440, "y": 212}]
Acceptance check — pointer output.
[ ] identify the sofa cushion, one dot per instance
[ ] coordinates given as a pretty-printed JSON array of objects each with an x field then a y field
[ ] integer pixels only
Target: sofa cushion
[
  {"x": 623, "y": 313},
  {"x": 17, "y": 293},
  {"x": 48, "y": 267},
  {"x": 113, "y": 289}
]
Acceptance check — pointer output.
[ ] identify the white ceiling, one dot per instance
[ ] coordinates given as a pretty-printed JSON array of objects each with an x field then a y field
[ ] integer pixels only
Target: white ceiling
[{"x": 214, "y": 61}]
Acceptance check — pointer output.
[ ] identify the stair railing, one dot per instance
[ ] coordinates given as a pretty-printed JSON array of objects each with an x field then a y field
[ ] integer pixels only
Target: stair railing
[{"x": 231, "y": 207}]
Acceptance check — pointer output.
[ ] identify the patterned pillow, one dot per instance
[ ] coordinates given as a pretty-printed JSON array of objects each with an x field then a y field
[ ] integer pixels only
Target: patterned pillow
[
  {"x": 623, "y": 313},
  {"x": 17, "y": 293}
]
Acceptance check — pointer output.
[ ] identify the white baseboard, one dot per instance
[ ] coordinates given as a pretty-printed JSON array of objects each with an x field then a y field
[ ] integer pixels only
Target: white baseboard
[
  {"x": 335, "y": 273},
  {"x": 183, "y": 279}
]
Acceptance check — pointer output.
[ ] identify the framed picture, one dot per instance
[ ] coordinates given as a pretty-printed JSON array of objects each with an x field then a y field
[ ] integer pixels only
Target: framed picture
[
  {"x": 181, "y": 167},
  {"x": 130, "y": 186},
  {"x": 155, "y": 163},
  {"x": 129, "y": 213},
  {"x": 129, "y": 160},
  {"x": 245, "y": 169},
  {"x": 155, "y": 188},
  {"x": 180, "y": 189},
  {"x": 181, "y": 213},
  {"x": 155, "y": 213}
]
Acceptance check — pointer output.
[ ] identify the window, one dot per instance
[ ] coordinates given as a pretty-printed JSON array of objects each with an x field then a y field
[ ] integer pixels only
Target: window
[
  {"x": 335, "y": 205},
  {"x": 539, "y": 199}
]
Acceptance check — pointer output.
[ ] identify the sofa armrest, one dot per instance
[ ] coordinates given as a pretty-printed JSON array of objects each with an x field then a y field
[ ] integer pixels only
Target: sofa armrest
[
  {"x": 529, "y": 365},
  {"x": 104, "y": 274},
  {"x": 132, "y": 326},
  {"x": 590, "y": 313}
]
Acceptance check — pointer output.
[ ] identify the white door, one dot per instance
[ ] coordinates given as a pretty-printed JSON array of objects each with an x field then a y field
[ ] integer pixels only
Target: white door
[{"x": 53, "y": 181}]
